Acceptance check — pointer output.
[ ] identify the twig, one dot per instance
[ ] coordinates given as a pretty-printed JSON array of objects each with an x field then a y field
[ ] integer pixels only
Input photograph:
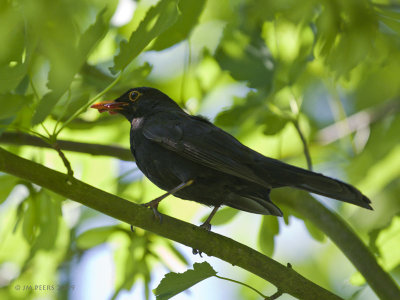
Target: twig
[
  {"x": 275, "y": 296},
  {"x": 304, "y": 142},
  {"x": 18, "y": 138},
  {"x": 66, "y": 162},
  {"x": 339, "y": 112},
  {"x": 91, "y": 101},
  {"x": 242, "y": 283},
  {"x": 357, "y": 122}
]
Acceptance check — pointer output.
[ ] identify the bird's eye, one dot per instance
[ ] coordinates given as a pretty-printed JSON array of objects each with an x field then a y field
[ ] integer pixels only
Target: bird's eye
[{"x": 134, "y": 95}]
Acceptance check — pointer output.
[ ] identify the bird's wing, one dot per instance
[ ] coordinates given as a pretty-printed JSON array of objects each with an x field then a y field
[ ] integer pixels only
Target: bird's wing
[{"x": 200, "y": 141}]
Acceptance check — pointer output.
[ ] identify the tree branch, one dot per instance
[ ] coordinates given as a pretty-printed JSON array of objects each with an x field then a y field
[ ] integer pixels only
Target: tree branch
[
  {"x": 358, "y": 121},
  {"x": 304, "y": 142},
  {"x": 333, "y": 226},
  {"x": 17, "y": 138},
  {"x": 286, "y": 279},
  {"x": 344, "y": 237},
  {"x": 349, "y": 243}
]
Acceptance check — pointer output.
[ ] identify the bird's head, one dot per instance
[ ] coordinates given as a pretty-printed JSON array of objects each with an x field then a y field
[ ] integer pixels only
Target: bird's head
[{"x": 138, "y": 102}]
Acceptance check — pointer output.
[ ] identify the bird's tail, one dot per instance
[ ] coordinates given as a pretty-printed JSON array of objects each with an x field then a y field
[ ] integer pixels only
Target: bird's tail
[{"x": 281, "y": 174}]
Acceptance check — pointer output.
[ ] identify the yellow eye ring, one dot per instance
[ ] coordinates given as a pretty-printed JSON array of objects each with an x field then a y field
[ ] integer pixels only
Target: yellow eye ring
[{"x": 134, "y": 95}]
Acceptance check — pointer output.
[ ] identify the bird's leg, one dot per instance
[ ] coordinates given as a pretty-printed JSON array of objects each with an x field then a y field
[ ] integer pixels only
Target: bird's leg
[
  {"x": 153, "y": 204},
  {"x": 207, "y": 225}
]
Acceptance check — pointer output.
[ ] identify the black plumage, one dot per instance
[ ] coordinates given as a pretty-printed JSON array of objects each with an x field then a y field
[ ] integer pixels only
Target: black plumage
[{"x": 195, "y": 160}]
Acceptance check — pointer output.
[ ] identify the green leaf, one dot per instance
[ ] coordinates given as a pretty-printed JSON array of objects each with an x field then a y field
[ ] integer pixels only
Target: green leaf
[
  {"x": 49, "y": 213},
  {"x": 14, "y": 57},
  {"x": 269, "y": 228},
  {"x": 64, "y": 67},
  {"x": 46, "y": 105},
  {"x": 314, "y": 231},
  {"x": 223, "y": 216},
  {"x": 388, "y": 243},
  {"x": 79, "y": 97},
  {"x": 92, "y": 35},
  {"x": 94, "y": 237},
  {"x": 4, "y": 123},
  {"x": 11, "y": 104},
  {"x": 134, "y": 75},
  {"x": 174, "y": 283},
  {"x": 30, "y": 221},
  {"x": 10, "y": 77},
  {"x": 328, "y": 26},
  {"x": 7, "y": 184},
  {"x": 246, "y": 58},
  {"x": 244, "y": 110},
  {"x": 22, "y": 86},
  {"x": 159, "y": 18},
  {"x": 273, "y": 123},
  {"x": 190, "y": 12}
]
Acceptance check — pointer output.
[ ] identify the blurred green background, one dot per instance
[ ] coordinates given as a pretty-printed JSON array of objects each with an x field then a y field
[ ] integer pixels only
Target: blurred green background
[{"x": 268, "y": 72}]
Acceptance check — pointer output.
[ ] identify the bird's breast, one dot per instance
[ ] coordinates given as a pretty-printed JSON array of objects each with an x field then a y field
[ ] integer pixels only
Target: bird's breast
[{"x": 153, "y": 160}]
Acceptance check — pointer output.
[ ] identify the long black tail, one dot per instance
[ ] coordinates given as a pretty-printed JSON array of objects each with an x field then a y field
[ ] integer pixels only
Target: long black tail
[{"x": 277, "y": 174}]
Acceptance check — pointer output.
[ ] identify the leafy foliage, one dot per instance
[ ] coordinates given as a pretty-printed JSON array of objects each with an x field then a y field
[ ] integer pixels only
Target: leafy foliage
[
  {"x": 157, "y": 19},
  {"x": 257, "y": 68}
]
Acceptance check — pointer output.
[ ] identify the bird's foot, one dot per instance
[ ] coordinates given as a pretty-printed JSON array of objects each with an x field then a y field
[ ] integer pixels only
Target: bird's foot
[
  {"x": 195, "y": 251},
  {"x": 206, "y": 225},
  {"x": 153, "y": 204}
]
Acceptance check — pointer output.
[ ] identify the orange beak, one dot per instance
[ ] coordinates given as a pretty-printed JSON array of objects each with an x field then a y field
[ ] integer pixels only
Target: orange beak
[{"x": 111, "y": 106}]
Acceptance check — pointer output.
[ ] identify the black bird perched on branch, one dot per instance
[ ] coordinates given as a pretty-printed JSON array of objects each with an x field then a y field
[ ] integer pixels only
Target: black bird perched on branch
[{"x": 192, "y": 159}]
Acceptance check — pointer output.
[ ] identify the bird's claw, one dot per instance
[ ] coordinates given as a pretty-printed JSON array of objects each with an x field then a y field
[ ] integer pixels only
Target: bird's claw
[
  {"x": 206, "y": 226},
  {"x": 157, "y": 215},
  {"x": 195, "y": 251},
  {"x": 154, "y": 205}
]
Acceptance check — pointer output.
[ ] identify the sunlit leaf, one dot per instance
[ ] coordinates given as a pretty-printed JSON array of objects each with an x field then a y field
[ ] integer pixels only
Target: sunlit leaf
[
  {"x": 174, "y": 283},
  {"x": 11, "y": 104},
  {"x": 63, "y": 69},
  {"x": 158, "y": 19},
  {"x": 273, "y": 123},
  {"x": 266, "y": 236},
  {"x": 30, "y": 221},
  {"x": 314, "y": 231},
  {"x": 388, "y": 240},
  {"x": 94, "y": 237},
  {"x": 92, "y": 35},
  {"x": 10, "y": 77},
  {"x": 48, "y": 221},
  {"x": 246, "y": 58},
  {"x": 238, "y": 113},
  {"x": 190, "y": 12},
  {"x": 7, "y": 184},
  {"x": 15, "y": 57}
]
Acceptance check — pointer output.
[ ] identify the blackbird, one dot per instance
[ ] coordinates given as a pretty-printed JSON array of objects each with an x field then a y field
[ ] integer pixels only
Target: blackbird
[{"x": 192, "y": 159}]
